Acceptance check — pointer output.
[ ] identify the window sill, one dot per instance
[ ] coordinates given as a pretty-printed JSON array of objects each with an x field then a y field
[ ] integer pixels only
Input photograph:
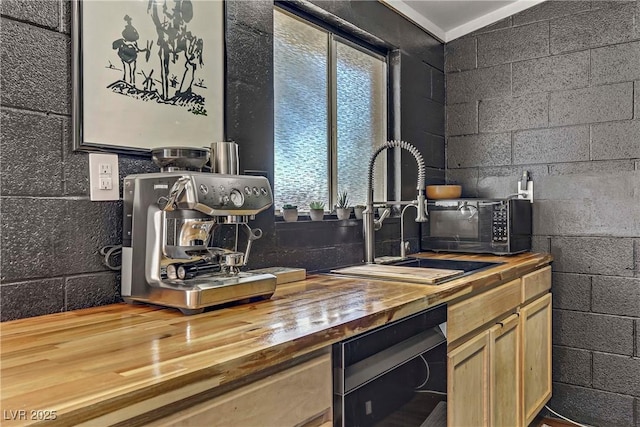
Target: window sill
[
  {"x": 328, "y": 221},
  {"x": 306, "y": 218}
]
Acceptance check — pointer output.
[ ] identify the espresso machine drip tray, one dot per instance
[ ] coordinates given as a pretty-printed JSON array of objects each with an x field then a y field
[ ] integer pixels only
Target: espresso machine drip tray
[{"x": 194, "y": 295}]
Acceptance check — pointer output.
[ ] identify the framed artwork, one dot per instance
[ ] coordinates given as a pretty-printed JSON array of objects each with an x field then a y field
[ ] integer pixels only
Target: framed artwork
[{"x": 147, "y": 73}]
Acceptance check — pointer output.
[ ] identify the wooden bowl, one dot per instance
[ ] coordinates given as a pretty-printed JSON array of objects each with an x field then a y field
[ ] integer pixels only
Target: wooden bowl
[{"x": 444, "y": 191}]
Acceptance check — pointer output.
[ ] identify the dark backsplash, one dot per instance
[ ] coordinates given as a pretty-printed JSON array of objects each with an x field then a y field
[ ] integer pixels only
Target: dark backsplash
[{"x": 51, "y": 233}]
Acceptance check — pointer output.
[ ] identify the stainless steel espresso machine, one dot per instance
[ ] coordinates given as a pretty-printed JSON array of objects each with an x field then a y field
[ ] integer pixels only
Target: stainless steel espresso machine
[{"x": 169, "y": 255}]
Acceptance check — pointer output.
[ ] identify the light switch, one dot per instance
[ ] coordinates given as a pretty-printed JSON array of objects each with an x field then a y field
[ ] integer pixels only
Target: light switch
[{"x": 104, "y": 177}]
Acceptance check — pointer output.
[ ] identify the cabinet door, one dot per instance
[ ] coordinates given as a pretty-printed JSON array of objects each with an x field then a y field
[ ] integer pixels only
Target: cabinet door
[
  {"x": 468, "y": 383},
  {"x": 535, "y": 320},
  {"x": 504, "y": 387}
]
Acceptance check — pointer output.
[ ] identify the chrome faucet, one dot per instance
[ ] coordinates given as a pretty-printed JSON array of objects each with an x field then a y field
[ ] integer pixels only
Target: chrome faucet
[{"x": 370, "y": 225}]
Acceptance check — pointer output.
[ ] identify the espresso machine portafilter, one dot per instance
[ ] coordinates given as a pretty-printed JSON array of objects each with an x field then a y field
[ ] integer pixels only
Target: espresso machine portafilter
[{"x": 169, "y": 254}]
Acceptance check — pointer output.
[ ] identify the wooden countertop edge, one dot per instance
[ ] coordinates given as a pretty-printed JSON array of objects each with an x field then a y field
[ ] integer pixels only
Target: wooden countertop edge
[
  {"x": 225, "y": 373},
  {"x": 231, "y": 370}
]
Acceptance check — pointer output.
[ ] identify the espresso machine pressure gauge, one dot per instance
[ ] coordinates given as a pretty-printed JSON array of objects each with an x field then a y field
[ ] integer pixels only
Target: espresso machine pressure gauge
[{"x": 236, "y": 197}]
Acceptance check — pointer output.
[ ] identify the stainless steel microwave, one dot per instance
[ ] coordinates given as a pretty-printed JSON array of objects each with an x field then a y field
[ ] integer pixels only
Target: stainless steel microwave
[{"x": 497, "y": 226}]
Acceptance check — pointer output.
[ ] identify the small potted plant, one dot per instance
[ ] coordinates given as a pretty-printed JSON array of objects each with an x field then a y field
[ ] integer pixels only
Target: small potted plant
[
  {"x": 358, "y": 209},
  {"x": 316, "y": 211},
  {"x": 343, "y": 210},
  {"x": 290, "y": 213}
]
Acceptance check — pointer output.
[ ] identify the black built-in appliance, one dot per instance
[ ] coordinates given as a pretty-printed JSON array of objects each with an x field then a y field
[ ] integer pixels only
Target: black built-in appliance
[
  {"x": 393, "y": 375},
  {"x": 497, "y": 226}
]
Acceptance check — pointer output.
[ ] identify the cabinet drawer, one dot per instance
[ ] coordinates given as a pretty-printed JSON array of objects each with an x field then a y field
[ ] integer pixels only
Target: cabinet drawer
[
  {"x": 472, "y": 313},
  {"x": 288, "y": 398},
  {"x": 536, "y": 283}
]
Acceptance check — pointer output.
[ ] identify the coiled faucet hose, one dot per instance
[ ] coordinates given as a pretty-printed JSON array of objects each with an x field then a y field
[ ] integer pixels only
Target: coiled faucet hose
[{"x": 410, "y": 148}]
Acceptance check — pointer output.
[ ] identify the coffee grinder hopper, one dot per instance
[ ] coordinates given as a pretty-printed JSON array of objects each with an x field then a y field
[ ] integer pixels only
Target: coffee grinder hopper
[{"x": 171, "y": 159}]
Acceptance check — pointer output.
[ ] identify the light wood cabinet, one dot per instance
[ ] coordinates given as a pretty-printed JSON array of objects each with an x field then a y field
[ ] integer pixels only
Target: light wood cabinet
[
  {"x": 467, "y": 315},
  {"x": 536, "y": 283},
  {"x": 499, "y": 372},
  {"x": 297, "y": 396},
  {"x": 468, "y": 382},
  {"x": 504, "y": 389},
  {"x": 484, "y": 378},
  {"x": 535, "y": 319}
]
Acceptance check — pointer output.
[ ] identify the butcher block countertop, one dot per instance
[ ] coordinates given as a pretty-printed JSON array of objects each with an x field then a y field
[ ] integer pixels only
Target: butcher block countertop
[{"x": 93, "y": 362}]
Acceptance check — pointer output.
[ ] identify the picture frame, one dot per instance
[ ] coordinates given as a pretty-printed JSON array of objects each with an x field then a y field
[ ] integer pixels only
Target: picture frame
[{"x": 147, "y": 74}]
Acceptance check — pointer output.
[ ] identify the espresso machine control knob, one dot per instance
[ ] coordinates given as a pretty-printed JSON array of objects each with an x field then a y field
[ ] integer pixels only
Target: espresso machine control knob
[
  {"x": 162, "y": 202},
  {"x": 237, "y": 199}
]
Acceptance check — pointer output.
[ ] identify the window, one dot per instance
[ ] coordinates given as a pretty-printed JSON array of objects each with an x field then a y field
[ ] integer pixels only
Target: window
[{"x": 330, "y": 114}]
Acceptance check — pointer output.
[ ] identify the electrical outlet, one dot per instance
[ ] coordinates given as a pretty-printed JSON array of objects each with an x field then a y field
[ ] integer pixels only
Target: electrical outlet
[
  {"x": 106, "y": 184},
  {"x": 104, "y": 177}
]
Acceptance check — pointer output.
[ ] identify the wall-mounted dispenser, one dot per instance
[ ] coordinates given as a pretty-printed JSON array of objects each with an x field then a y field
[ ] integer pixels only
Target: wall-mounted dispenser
[{"x": 525, "y": 187}]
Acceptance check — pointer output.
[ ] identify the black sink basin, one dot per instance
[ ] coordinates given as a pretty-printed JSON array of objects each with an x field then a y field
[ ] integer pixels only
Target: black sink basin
[
  {"x": 469, "y": 267},
  {"x": 448, "y": 264}
]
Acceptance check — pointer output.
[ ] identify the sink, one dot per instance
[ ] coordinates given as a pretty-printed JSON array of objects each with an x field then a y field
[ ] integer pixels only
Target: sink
[
  {"x": 469, "y": 267},
  {"x": 386, "y": 270}
]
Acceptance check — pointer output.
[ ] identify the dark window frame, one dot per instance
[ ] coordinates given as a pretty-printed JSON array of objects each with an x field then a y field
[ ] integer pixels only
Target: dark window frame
[{"x": 337, "y": 35}]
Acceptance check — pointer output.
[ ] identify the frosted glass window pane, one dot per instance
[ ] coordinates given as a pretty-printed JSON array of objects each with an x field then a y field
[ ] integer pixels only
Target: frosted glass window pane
[
  {"x": 301, "y": 112},
  {"x": 361, "y": 121}
]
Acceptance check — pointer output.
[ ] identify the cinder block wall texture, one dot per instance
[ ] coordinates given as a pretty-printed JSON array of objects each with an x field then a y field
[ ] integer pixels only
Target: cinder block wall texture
[
  {"x": 50, "y": 233},
  {"x": 555, "y": 90}
]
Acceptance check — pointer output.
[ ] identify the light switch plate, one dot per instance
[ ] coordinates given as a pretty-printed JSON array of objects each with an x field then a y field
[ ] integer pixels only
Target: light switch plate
[{"x": 104, "y": 178}]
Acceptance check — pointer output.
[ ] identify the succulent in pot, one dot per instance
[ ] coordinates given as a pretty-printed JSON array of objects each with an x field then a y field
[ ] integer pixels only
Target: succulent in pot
[
  {"x": 358, "y": 209},
  {"x": 316, "y": 211},
  {"x": 290, "y": 213},
  {"x": 343, "y": 210}
]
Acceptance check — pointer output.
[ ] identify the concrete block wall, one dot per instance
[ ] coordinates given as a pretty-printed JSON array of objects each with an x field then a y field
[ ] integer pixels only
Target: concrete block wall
[
  {"x": 50, "y": 232},
  {"x": 555, "y": 90}
]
